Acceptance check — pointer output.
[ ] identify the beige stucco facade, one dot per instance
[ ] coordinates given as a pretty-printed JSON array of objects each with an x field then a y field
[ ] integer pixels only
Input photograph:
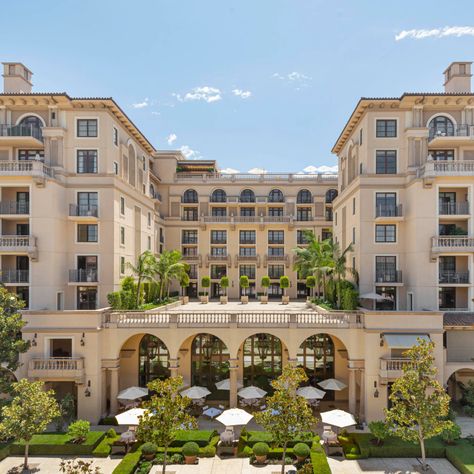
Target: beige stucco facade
[{"x": 82, "y": 192}]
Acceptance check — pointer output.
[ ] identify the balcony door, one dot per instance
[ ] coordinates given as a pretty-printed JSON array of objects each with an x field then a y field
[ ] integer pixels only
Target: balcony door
[
  {"x": 23, "y": 202},
  {"x": 447, "y": 202},
  {"x": 86, "y": 203},
  {"x": 87, "y": 267},
  {"x": 60, "y": 347}
]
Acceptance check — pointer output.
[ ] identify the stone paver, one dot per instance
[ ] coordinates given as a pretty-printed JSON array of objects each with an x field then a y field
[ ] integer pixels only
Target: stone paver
[
  {"x": 50, "y": 464},
  {"x": 234, "y": 305},
  {"x": 467, "y": 425},
  {"x": 388, "y": 466}
]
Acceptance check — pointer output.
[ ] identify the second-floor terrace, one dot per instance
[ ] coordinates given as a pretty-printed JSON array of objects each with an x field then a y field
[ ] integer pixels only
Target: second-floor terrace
[
  {"x": 432, "y": 168},
  {"x": 24, "y": 134},
  {"x": 452, "y": 243}
]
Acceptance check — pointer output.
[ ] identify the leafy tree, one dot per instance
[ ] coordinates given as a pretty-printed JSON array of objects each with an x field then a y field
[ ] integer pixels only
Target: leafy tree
[
  {"x": 11, "y": 342},
  {"x": 380, "y": 430},
  {"x": 143, "y": 270},
  {"x": 284, "y": 283},
  {"x": 265, "y": 284},
  {"x": 67, "y": 408},
  {"x": 205, "y": 283},
  {"x": 78, "y": 431},
  {"x": 30, "y": 412},
  {"x": 184, "y": 282},
  {"x": 165, "y": 414},
  {"x": 169, "y": 266},
  {"x": 287, "y": 414},
  {"x": 311, "y": 283},
  {"x": 419, "y": 403},
  {"x": 225, "y": 284},
  {"x": 244, "y": 283}
]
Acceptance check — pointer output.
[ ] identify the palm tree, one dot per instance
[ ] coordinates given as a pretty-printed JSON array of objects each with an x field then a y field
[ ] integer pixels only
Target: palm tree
[
  {"x": 143, "y": 270},
  {"x": 169, "y": 267}
]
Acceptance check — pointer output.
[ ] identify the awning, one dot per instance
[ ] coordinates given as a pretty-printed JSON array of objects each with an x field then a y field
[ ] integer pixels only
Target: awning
[{"x": 405, "y": 340}]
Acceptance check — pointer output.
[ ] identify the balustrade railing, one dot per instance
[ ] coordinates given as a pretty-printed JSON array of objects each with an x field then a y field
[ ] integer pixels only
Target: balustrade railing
[{"x": 452, "y": 242}]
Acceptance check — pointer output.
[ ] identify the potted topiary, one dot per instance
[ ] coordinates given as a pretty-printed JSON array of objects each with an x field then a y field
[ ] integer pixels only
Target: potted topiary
[
  {"x": 205, "y": 283},
  {"x": 244, "y": 284},
  {"x": 261, "y": 450},
  {"x": 184, "y": 283},
  {"x": 265, "y": 284},
  {"x": 224, "y": 286},
  {"x": 190, "y": 452},
  {"x": 149, "y": 451},
  {"x": 301, "y": 451},
  {"x": 310, "y": 283},
  {"x": 284, "y": 284}
]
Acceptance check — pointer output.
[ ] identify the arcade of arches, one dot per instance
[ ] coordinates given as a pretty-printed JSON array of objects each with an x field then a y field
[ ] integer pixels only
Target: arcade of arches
[{"x": 204, "y": 359}]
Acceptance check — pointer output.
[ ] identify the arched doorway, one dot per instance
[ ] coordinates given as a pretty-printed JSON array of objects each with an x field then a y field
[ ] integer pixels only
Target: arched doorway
[
  {"x": 153, "y": 360},
  {"x": 262, "y": 360},
  {"x": 209, "y": 362},
  {"x": 458, "y": 384}
]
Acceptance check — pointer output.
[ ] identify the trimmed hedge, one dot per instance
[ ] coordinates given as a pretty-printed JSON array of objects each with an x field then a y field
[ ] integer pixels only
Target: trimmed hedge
[
  {"x": 103, "y": 449},
  {"x": 129, "y": 462},
  {"x": 253, "y": 437},
  {"x": 201, "y": 437},
  {"x": 58, "y": 444},
  {"x": 461, "y": 456},
  {"x": 319, "y": 461},
  {"x": 4, "y": 450}
]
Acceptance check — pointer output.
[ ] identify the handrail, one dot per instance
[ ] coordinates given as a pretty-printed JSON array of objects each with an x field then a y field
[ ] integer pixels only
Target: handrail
[
  {"x": 57, "y": 363},
  {"x": 451, "y": 241},
  {"x": 265, "y": 177},
  {"x": 15, "y": 241},
  {"x": 8, "y": 130}
]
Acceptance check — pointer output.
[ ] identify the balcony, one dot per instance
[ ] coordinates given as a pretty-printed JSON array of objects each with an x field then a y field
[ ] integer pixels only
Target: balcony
[
  {"x": 247, "y": 219},
  {"x": 452, "y": 243},
  {"x": 453, "y": 278},
  {"x": 432, "y": 169},
  {"x": 36, "y": 169},
  {"x": 454, "y": 208},
  {"x": 20, "y": 135},
  {"x": 12, "y": 276},
  {"x": 191, "y": 256},
  {"x": 83, "y": 276},
  {"x": 389, "y": 213},
  {"x": 460, "y": 135},
  {"x": 18, "y": 244},
  {"x": 57, "y": 368},
  {"x": 277, "y": 258},
  {"x": 388, "y": 276},
  {"x": 391, "y": 368},
  {"x": 217, "y": 258},
  {"x": 247, "y": 258},
  {"x": 83, "y": 212},
  {"x": 217, "y": 177},
  {"x": 14, "y": 208}
]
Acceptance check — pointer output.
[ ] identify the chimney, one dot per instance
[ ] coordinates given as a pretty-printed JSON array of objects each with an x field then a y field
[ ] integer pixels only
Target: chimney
[
  {"x": 16, "y": 79},
  {"x": 457, "y": 77}
]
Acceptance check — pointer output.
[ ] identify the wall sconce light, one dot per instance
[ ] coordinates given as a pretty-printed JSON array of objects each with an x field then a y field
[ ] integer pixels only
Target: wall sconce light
[
  {"x": 83, "y": 339},
  {"x": 376, "y": 392},
  {"x": 34, "y": 343},
  {"x": 381, "y": 340},
  {"x": 87, "y": 392}
]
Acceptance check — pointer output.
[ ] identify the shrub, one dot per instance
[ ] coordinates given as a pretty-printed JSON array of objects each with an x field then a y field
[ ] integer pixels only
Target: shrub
[
  {"x": 451, "y": 434},
  {"x": 190, "y": 449},
  {"x": 176, "y": 459},
  {"x": 284, "y": 282},
  {"x": 301, "y": 450},
  {"x": 310, "y": 281},
  {"x": 144, "y": 467},
  {"x": 71, "y": 466},
  {"x": 306, "y": 469},
  {"x": 205, "y": 283},
  {"x": 261, "y": 449},
  {"x": 108, "y": 420},
  {"x": 265, "y": 283},
  {"x": 350, "y": 299},
  {"x": 244, "y": 281},
  {"x": 115, "y": 299},
  {"x": 111, "y": 433},
  {"x": 380, "y": 430},
  {"x": 78, "y": 431},
  {"x": 149, "y": 449},
  {"x": 129, "y": 463}
]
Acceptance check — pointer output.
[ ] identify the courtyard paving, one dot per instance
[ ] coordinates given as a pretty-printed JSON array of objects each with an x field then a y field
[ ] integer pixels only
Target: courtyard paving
[{"x": 234, "y": 305}]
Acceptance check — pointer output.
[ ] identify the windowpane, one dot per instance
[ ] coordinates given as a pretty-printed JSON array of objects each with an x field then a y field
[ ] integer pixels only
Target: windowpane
[
  {"x": 386, "y": 162},
  {"x": 87, "y": 233},
  {"x": 87, "y": 128},
  {"x": 385, "y": 233},
  {"x": 87, "y": 161},
  {"x": 386, "y": 128}
]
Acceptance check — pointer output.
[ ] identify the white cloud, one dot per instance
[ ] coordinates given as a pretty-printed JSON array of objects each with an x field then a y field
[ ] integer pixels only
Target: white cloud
[
  {"x": 257, "y": 171},
  {"x": 443, "y": 32},
  {"x": 229, "y": 171},
  {"x": 189, "y": 153},
  {"x": 241, "y": 93},
  {"x": 320, "y": 169},
  {"x": 206, "y": 93},
  {"x": 171, "y": 138},
  {"x": 141, "y": 105},
  {"x": 294, "y": 76}
]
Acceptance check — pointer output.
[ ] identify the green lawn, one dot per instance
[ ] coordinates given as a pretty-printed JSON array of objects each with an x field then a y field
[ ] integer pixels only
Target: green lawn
[{"x": 461, "y": 456}]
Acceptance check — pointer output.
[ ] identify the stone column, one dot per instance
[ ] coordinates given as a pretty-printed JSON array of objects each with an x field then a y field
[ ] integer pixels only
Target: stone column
[
  {"x": 233, "y": 368},
  {"x": 362, "y": 395},
  {"x": 352, "y": 390},
  {"x": 174, "y": 366},
  {"x": 114, "y": 385}
]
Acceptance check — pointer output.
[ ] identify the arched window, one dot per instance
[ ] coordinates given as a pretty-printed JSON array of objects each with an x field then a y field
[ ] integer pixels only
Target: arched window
[
  {"x": 209, "y": 361},
  {"x": 304, "y": 197},
  {"x": 441, "y": 126},
  {"x": 247, "y": 195},
  {"x": 153, "y": 360},
  {"x": 331, "y": 194},
  {"x": 190, "y": 196},
  {"x": 31, "y": 126},
  {"x": 219, "y": 195},
  {"x": 276, "y": 195},
  {"x": 262, "y": 360},
  {"x": 32, "y": 121}
]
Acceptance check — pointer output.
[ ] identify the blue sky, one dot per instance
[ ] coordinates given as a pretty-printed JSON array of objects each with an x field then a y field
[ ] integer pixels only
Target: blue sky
[{"x": 249, "y": 83}]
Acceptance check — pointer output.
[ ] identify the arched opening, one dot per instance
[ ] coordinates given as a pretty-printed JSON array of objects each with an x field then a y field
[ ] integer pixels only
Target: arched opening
[
  {"x": 276, "y": 195},
  {"x": 304, "y": 197},
  {"x": 153, "y": 360},
  {"x": 247, "y": 195},
  {"x": 31, "y": 125},
  {"x": 441, "y": 126},
  {"x": 262, "y": 360},
  {"x": 190, "y": 196},
  {"x": 458, "y": 385},
  {"x": 331, "y": 194},
  {"x": 219, "y": 195},
  {"x": 209, "y": 362}
]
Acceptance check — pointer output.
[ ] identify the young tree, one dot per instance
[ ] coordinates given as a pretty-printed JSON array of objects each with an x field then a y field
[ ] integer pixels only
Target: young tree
[
  {"x": 205, "y": 283},
  {"x": 287, "y": 414},
  {"x": 244, "y": 283},
  {"x": 284, "y": 283},
  {"x": 311, "y": 283},
  {"x": 11, "y": 342},
  {"x": 419, "y": 403},
  {"x": 143, "y": 270},
  {"x": 165, "y": 414},
  {"x": 184, "y": 283},
  {"x": 265, "y": 284},
  {"x": 225, "y": 284},
  {"x": 169, "y": 266},
  {"x": 30, "y": 412}
]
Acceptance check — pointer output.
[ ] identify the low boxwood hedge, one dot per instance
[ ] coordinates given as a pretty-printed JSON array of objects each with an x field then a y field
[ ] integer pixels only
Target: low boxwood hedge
[
  {"x": 201, "y": 437},
  {"x": 103, "y": 449},
  {"x": 461, "y": 456},
  {"x": 129, "y": 462},
  {"x": 252, "y": 437},
  {"x": 4, "y": 450}
]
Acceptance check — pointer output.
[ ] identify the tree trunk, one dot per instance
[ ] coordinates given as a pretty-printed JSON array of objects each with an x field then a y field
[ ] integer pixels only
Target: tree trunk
[
  {"x": 25, "y": 461},
  {"x": 164, "y": 460},
  {"x": 283, "y": 460},
  {"x": 423, "y": 453},
  {"x": 139, "y": 283}
]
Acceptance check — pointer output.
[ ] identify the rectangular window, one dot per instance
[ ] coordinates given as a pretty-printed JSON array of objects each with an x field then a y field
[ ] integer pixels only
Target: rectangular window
[
  {"x": 190, "y": 214},
  {"x": 301, "y": 238},
  {"x": 353, "y": 235},
  {"x": 276, "y": 251},
  {"x": 122, "y": 235},
  {"x": 218, "y": 271},
  {"x": 247, "y": 270},
  {"x": 326, "y": 234},
  {"x": 115, "y": 136},
  {"x": 149, "y": 243},
  {"x": 247, "y": 211},
  {"x": 386, "y": 204},
  {"x": 87, "y": 161},
  {"x": 276, "y": 271},
  {"x": 386, "y": 128},
  {"x": 219, "y": 251},
  {"x": 87, "y": 203},
  {"x": 247, "y": 237},
  {"x": 122, "y": 265},
  {"x": 385, "y": 233},
  {"x": 218, "y": 236},
  {"x": 353, "y": 206},
  {"x": 190, "y": 252},
  {"x": 275, "y": 211},
  {"x": 86, "y": 297},
  {"x": 219, "y": 212},
  {"x": 59, "y": 301},
  {"x": 276, "y": 237},
  {"x": 386, "y": 162},
  {"x": 442, "y": 155},
  {"x": 360, "y": 136},
  {"x": 247, "y": 252},
  {"x": 303, "y": 214},
  {"x": 116, "y": 168},
  {"x": 149, "y": 219},
  {"x": 122, "y": 206},
  {"x": 30, "y": 155},
  {"x": 386, "y": 268},
  {"x": 87, "y": 128},
  {"x": 192, "y": 272},
  {"x": 189, "y": 237},
  {"x": 87, "y": 233}
]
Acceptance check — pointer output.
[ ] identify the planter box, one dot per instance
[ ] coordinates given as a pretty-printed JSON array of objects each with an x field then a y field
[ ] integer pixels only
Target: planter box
[
  {"x": 244, "y": 299},
  {"x": 184, "y": 299},
  {"x": 285, "y": 299},
  {"x": 224, "y": 299},
  {"x": 204, "y": 299},
  {"x": 264, "y": 299}
]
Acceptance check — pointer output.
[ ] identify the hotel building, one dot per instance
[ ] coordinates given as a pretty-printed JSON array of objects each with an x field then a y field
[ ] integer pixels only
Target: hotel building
[{"x": 83, "y": 192}]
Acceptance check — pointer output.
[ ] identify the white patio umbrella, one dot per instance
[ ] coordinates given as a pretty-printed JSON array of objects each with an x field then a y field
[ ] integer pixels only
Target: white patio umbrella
[
  {"x": 338, "y": 418},
  {"x": 195, "y": 392},
  {"x": 212, "y": 412},
  {"x": 251, "y": 392},
  {"x": 372, "y": 296},
  {"x": 132, "y": 393},
  {"x": 225, "y": 384},
  {"x": 332, "y": 384},
  {"x": 130, "y": 417},
  {"x": 310, "y": 393},
  {"x": 234, "y": 417}
]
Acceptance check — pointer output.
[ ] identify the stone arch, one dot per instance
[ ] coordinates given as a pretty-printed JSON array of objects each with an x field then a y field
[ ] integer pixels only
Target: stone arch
[
  {"x": 190, "y": 196},
  {"x": 455, "y": 376},
  {"x": 304, "y": 196},
  {"x": 218, "y": 195},
  {"x": 247, "y": 195},
  {"x": 24, "y": 116}
]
